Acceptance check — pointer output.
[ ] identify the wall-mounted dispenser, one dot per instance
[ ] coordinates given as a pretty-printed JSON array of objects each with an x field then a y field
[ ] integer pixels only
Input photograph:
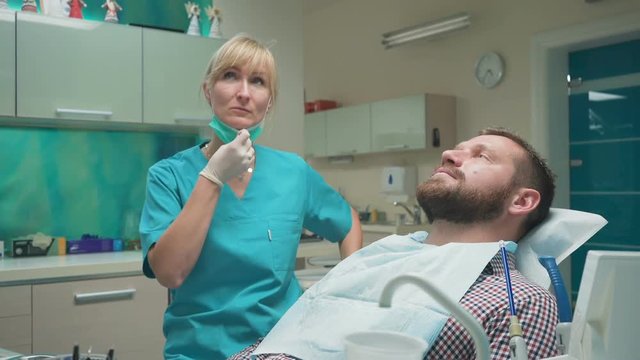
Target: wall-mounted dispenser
[{"x": 398, "y": 183}]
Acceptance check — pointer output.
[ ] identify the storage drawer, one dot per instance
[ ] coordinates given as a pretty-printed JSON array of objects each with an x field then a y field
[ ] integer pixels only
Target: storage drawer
[
  {"x": 15, "y": 300},
  {"x": 15, "y": 333},
  {"x": 124, "y": 313}
]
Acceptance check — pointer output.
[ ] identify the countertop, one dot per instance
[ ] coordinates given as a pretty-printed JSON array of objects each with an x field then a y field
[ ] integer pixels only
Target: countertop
[
  {"x": 42, "y": 269},
  {"x": 45, "y": 269}
]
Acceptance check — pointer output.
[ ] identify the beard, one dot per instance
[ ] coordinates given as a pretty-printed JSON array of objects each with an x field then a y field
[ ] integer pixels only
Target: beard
[{"x": 460, "y": 204}]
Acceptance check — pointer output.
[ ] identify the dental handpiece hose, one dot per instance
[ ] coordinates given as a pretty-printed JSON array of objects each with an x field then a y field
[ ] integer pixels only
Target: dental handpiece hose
[{"x": 517, "y": 345}]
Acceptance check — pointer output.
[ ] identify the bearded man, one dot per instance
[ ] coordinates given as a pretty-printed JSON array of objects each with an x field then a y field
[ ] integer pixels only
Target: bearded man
[{"x": 489, "y": 188}]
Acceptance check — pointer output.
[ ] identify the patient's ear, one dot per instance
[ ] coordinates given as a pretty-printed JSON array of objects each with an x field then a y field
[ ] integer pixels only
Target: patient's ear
[{"x": 524, "y": 201}]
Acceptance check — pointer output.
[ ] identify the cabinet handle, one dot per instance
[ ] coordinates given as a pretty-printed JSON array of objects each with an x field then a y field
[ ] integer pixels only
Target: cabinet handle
[
  {"x": 101, "y": 296},
  {"x": 61, "y": 111},
  {"x": 396, "y": 147},
  {"x": 192, "y": 121}
]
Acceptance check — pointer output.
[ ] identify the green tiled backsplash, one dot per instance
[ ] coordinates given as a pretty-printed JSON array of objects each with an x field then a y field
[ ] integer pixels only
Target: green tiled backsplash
[{"x": 68, "y": 182}]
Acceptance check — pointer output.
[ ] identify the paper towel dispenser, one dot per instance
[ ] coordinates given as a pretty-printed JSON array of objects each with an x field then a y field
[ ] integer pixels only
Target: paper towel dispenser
[{"x": 398, "y": 183}]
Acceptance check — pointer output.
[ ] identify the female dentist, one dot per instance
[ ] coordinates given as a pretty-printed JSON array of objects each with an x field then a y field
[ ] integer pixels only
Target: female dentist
[{"x": 222, "y": 221}]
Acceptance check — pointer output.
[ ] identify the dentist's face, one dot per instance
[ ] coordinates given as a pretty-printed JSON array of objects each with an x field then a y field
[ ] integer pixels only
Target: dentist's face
[
  {"x": 473, "y": 182},
  {"x": 241, "y": 96}
]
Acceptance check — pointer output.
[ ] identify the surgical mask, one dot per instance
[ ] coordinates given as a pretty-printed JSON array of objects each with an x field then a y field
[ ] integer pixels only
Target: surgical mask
[{"x": 226, "y": 133}]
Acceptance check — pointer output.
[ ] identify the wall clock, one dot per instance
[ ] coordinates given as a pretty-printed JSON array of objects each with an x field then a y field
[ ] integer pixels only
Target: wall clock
[{"x": 489, "y": 70}]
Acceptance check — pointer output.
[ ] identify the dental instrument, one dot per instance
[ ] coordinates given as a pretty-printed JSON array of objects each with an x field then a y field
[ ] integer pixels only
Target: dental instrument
[
  {"x": 469, "y": 322},
  {"x": 517, "y": 345},
  {"x": 563, "y": 330}
]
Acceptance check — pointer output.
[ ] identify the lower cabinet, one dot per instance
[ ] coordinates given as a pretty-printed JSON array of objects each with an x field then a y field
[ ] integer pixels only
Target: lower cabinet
[
  {"x": 15, "y": 318},
  {"x": 121, "y": 313}
]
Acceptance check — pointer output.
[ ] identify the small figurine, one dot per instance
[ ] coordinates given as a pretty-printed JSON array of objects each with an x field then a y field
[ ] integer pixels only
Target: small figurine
[
  {"x": 75, "y": 8},
  {"x": 29, "y": 5},
  {"x": 214, "y": 17},
  {"x": 3, "y": 4},
  {"x": 193, "y": 13},
  {"x": 112, "y": 11},
  {"x": 52, "y": 8}
]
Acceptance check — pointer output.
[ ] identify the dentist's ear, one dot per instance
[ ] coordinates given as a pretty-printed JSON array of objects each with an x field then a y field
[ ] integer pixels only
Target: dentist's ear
[
  {"x": 268, "y": 105},
  {"x": 205, "y": 90}
]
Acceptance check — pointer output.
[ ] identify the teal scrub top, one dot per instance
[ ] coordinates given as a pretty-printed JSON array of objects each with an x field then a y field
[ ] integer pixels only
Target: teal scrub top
[{"x": 243, "y": 281}]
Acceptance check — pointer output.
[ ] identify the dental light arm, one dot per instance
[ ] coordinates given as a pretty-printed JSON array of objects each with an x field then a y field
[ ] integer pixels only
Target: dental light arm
[{"x": 469, "y": 322}]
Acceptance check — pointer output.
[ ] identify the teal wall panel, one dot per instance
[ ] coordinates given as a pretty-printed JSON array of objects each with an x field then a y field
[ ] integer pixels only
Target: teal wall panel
[
  {"x": 606, "y": 61},
  {"x": 605, "y": 147},
  {"x": 606, "y": 166},
  {"x": 70, "y": 182},
  {"x": 605, "y": 120},
  {"x": 66, "y": 182},
  {"x": 168, "y": 14}
]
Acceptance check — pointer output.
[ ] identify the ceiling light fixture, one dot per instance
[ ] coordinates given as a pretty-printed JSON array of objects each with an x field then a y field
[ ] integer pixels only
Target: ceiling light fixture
[{"x": 426, "y": 30}]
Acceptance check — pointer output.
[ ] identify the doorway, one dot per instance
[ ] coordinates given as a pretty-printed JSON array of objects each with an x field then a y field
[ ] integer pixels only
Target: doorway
[{"x": 550, "y": 106}]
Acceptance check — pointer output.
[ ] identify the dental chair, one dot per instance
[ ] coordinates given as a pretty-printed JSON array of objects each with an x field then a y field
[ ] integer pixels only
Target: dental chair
[{"x": 590, "y": 333}]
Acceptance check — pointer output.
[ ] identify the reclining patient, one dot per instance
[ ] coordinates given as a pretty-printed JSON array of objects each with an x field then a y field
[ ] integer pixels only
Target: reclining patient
[{"x": 492, "y": 187}]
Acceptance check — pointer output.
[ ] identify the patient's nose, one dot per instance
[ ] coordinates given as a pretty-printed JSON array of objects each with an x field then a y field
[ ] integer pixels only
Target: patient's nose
[{"x": 453, "y": 157}]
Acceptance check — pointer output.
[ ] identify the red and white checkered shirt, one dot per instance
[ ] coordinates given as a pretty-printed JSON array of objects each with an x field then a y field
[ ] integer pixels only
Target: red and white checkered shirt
[{"x": 488, "y": 302}]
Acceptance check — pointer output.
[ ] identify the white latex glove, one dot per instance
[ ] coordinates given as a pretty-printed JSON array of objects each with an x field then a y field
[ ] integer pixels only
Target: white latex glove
[{"x": 230, "y": 159}]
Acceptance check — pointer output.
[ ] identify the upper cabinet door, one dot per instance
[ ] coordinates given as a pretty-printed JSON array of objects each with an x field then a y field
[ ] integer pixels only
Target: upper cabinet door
[
  {"x": 76, "y": 69},
  {"x": 7, "y": 63},
  {"x": 349, "y": 130},
  {"x": 315, "y": 134},
  {"x": 425, "y": 121},
  {"x": 398, "y": 124},
  {"x": 174, "y": 66}
]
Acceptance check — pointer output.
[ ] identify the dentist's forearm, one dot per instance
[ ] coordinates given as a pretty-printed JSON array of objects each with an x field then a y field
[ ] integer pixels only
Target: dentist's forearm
[
  {"x": 353, "y": 241},
  {"x": 178, "y": 249}
]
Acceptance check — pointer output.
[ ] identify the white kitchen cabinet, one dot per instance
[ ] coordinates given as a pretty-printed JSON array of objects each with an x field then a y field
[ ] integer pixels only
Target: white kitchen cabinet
[
  {"x": 124, "y": 313},
  {"x": 15, "y": 318},
  {"x": 74, "y": 69},
  {"x": 7, "y": 63},
  {"x": 423, "y": 121},
  {"x": 173, "y": 70},
  {"x": 315, "y": 134},
  {"x": 349, "y": 130}
]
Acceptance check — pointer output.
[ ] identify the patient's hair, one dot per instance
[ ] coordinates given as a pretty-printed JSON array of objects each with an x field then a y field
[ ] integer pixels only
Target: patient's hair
[{"x": 533, "y": 173}]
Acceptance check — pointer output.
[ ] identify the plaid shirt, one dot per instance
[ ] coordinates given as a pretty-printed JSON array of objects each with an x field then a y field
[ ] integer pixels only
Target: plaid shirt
[{"x": 487, "y": 301}]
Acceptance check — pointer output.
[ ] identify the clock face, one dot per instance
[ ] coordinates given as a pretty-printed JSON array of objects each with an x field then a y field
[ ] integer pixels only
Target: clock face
[{"x": 489, "y": 70}]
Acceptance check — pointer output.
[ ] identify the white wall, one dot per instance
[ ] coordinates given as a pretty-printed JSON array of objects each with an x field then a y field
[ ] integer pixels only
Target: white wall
[
  {"x": 344, "y": 61},
  {"x": 279, "y": 23}
]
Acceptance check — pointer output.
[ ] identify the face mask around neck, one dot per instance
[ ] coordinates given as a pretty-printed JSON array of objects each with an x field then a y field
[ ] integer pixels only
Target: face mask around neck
[{"x": 226, "y": 133}]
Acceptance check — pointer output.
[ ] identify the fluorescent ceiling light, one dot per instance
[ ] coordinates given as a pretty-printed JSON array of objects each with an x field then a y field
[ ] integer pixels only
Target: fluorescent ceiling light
[
  {"x": 602, "y": 96},
  {"x": 426, "y": 30}
]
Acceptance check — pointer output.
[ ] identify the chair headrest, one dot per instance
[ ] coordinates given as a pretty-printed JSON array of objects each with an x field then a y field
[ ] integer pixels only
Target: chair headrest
[{"x": 559, "y": 235}]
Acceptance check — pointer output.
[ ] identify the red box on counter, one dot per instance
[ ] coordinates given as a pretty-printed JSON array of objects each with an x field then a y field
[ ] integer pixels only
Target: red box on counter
[
  {"x": 309, "y": 107},
  {"x": 325, "y": 105}
]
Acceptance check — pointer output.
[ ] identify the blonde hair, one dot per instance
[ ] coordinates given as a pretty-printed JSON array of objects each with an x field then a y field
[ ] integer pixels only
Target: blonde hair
[{"x": 243, "y": 50}]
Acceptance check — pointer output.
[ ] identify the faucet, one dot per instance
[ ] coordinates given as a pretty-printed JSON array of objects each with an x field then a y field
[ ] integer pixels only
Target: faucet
[
  {"x": 415, "y": 214},
  {"x": 469, "y": 322}
]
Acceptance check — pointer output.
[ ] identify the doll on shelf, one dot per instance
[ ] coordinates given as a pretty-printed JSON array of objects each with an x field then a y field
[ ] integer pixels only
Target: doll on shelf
[
  {"x": 213, "y": 13},
  {"x": 193, "y": 13},
  {"x": 75, "y": 8},
  {"x": 112, "y": 11},
  {"x": 52, "y": 7},
  {"x": 29, "y": 5}
]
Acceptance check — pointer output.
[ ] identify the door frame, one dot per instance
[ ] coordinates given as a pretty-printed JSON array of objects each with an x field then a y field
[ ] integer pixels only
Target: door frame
[
  {"x": 549, "y": 68},
  {"x": 549, "y": 104}
]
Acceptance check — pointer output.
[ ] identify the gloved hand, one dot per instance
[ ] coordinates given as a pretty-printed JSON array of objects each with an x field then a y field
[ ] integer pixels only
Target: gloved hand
[{"x": 230, "y": 159}]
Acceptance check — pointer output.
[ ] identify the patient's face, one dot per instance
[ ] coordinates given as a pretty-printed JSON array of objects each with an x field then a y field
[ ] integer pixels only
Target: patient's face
[{"x": 474, "y": 181}]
